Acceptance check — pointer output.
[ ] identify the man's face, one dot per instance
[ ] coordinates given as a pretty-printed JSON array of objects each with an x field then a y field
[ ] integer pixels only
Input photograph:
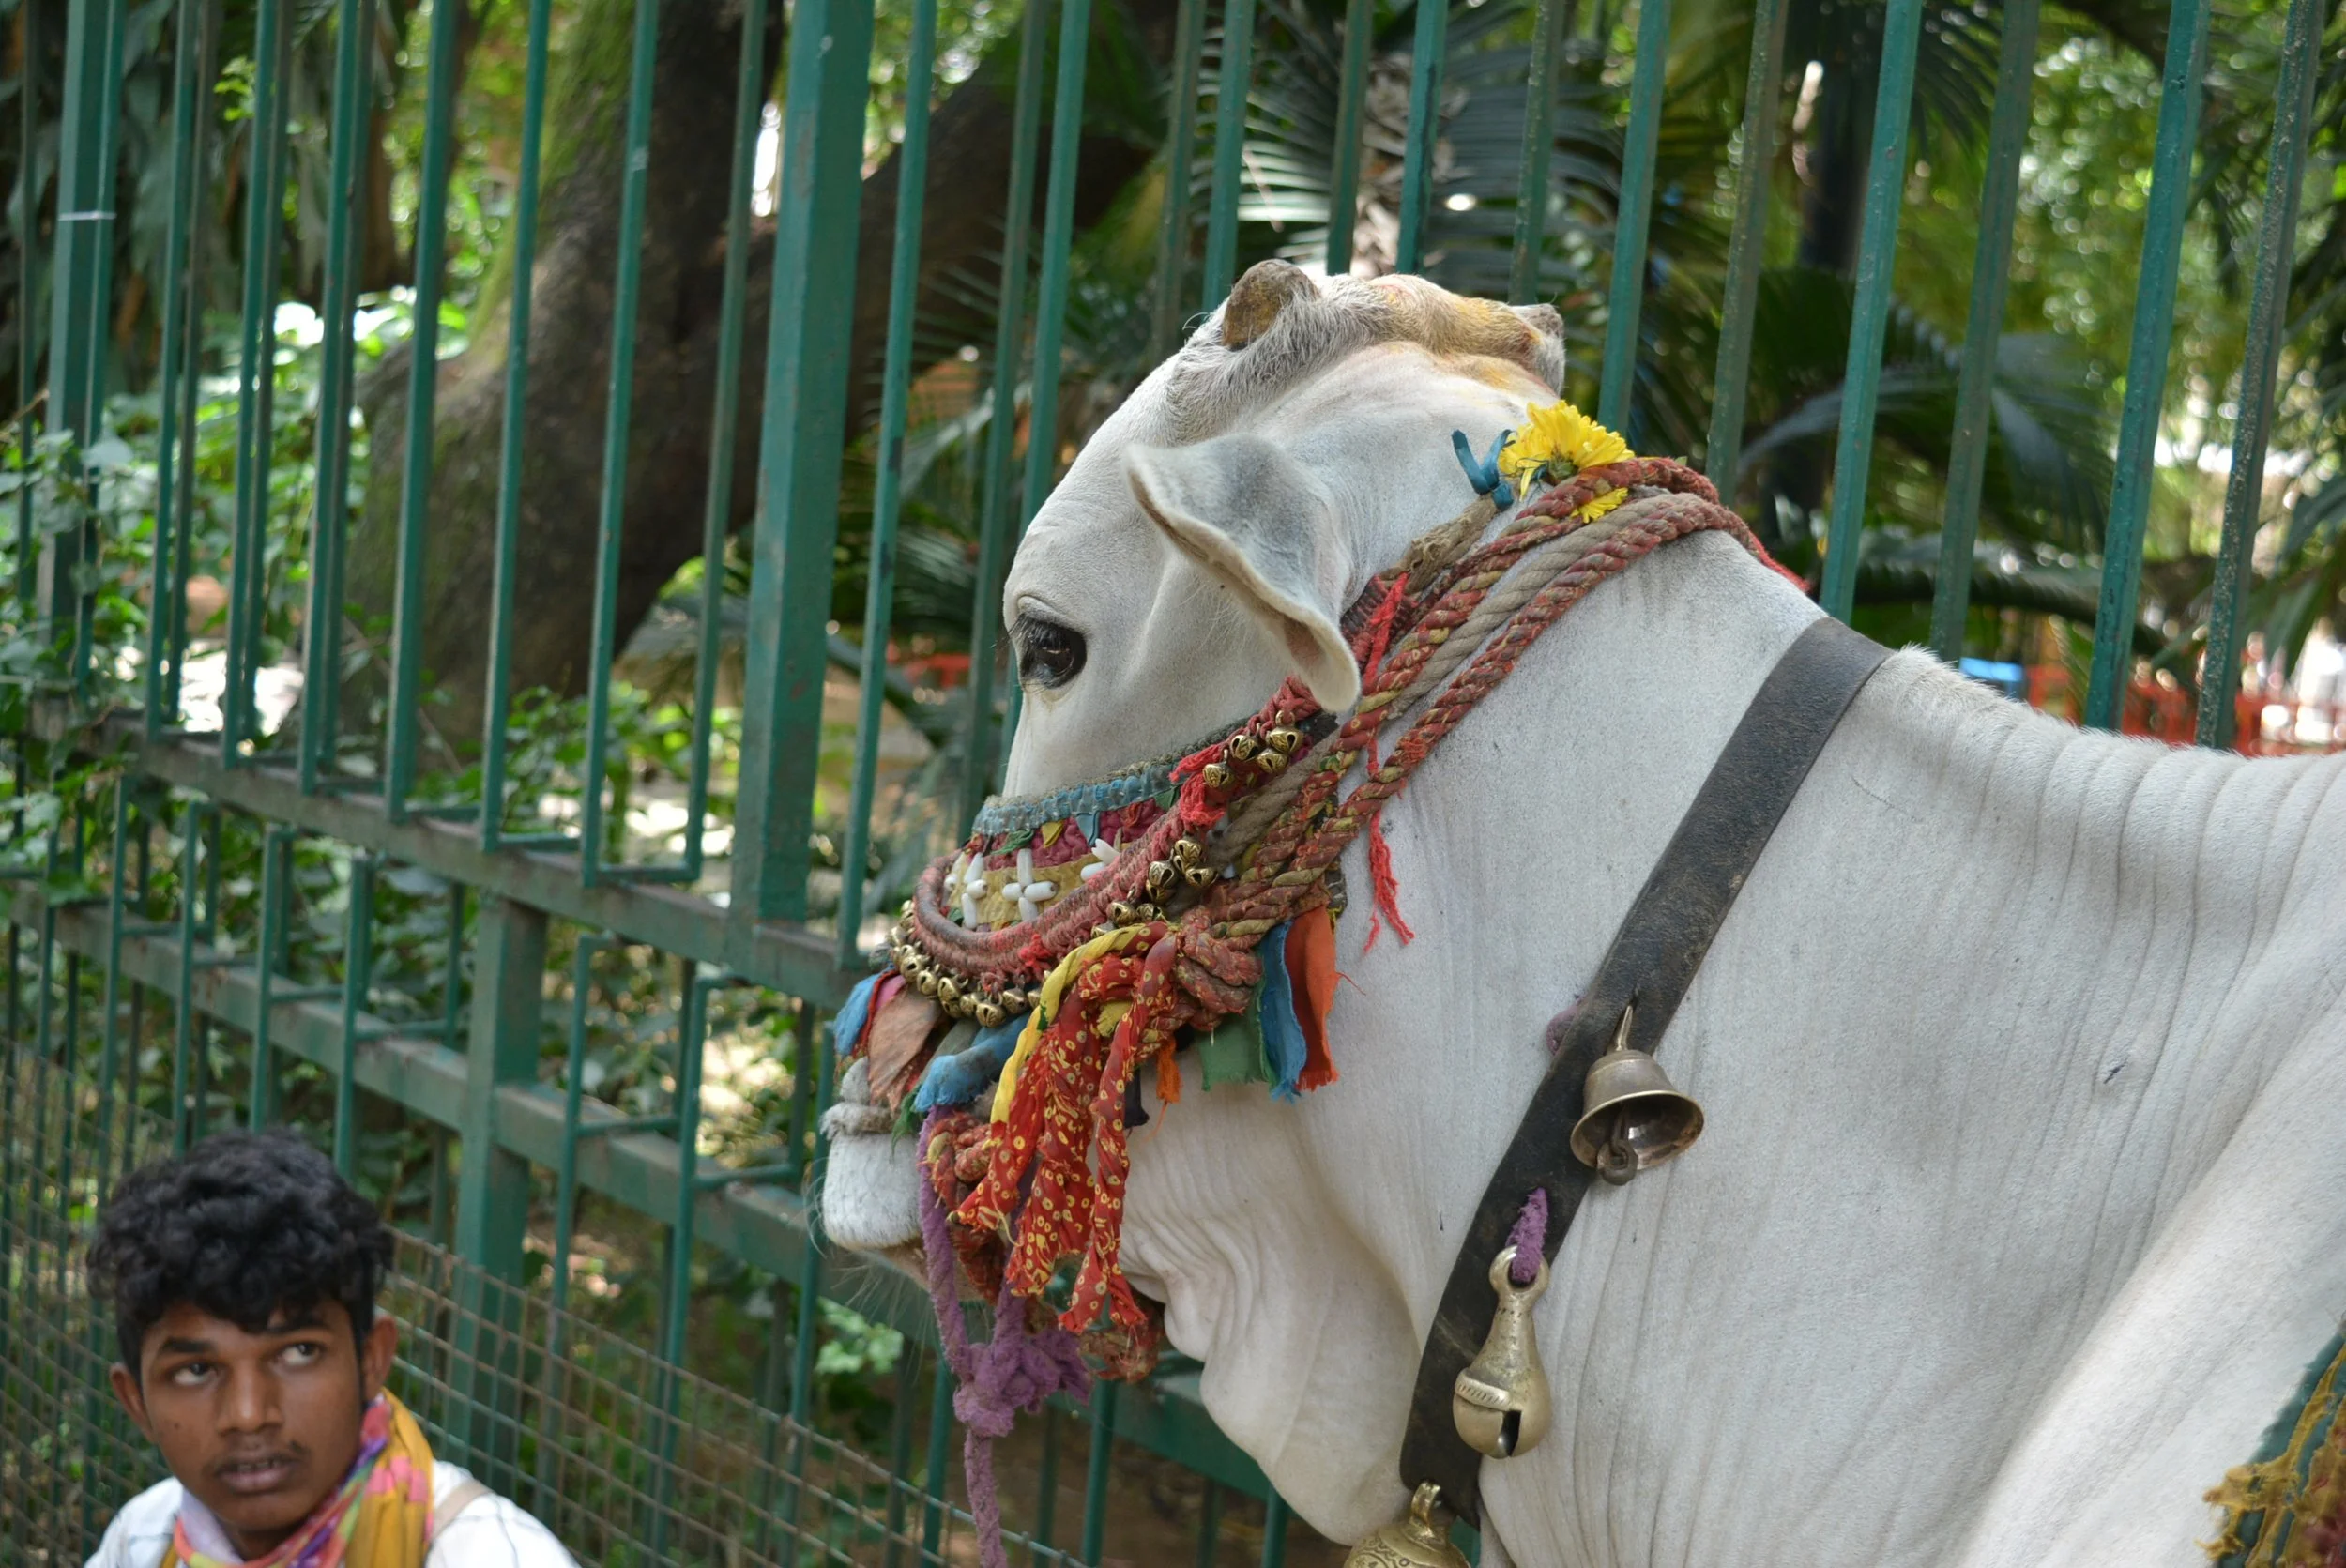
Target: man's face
[{"x": 258, "y": 1427}]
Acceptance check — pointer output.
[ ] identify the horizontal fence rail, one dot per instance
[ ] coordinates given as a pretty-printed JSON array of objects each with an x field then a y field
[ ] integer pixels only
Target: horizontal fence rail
[{"x": 312, "y": 822}]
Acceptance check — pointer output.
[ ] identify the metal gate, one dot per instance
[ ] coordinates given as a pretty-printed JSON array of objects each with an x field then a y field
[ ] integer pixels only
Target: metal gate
[{"x": 219, "y": 913}]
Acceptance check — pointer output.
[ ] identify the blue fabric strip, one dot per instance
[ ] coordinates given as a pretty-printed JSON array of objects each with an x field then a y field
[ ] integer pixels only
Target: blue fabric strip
[
  {"x": 957, "y": 1079},
  {"x": 1282, "y": 1036},
  {"x": 848, "y": 1027}
]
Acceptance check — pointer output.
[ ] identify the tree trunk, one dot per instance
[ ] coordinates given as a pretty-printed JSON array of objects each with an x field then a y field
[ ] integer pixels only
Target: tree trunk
[{"x": 675, "y": 344}]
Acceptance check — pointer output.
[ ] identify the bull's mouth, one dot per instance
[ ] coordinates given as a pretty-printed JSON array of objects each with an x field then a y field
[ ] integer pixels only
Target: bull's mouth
[{"x": 871, "y": 1182}]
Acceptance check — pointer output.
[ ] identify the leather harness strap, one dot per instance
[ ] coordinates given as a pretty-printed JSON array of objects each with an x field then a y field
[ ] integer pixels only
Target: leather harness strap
[{"x": 1653, "y": 958}]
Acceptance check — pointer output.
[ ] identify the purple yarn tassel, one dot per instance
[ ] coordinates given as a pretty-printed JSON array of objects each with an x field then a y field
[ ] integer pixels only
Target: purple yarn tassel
[
  {"x": 1530, "y": 1239},
  {"x": 1000, "y": 1380}
]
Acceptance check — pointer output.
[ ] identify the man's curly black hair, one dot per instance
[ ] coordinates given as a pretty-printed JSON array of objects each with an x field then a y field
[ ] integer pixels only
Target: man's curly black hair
[{"x": 244, "y": 1226}]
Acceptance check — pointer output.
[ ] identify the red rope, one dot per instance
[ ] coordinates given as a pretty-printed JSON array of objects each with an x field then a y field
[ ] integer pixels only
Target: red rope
[{"x": 1065, "y": 1122}]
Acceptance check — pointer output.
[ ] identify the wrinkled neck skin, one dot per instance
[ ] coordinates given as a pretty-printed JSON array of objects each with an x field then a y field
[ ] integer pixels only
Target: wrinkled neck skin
[{"x": 2014, "y": 1221}]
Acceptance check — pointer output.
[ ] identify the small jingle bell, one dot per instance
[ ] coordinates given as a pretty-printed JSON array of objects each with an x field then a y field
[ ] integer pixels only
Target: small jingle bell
[
  {"x": 1242, "y": 746},
  {"x": 1636, "y": 1118},
  {"x": 1201, "y": 876},
  {"x": 1414, "y": 1542},
  {"x": 1217, "y": 775},
  {"x": 1500, "y": 1402}
]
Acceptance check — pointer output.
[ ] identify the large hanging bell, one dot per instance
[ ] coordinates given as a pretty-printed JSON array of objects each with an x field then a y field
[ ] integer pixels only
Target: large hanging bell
[
  {"x": 1500, "y": 1402},
  {"x": 1415, "y": 1542},
  {"x": 1636, "y": 1117}
]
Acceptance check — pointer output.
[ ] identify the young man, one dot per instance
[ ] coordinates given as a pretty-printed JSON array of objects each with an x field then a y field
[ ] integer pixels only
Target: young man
[{"x": 243, "y": 1276}]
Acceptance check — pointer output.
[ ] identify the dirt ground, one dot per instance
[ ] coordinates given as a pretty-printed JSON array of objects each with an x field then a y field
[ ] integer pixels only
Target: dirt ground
[{"x": 1154, "y": 1506}]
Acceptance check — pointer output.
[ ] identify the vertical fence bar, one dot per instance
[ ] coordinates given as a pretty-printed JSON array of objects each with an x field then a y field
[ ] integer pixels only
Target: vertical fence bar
[
  {"x": 27, "y": 283},
  {"x": 1861, "y": 383},
  {"x": 1625, "y": 303},
  {"x": 1050, "y": 308},
  {"x": 620, "y": 404},
  {"x": 1209, "y": 1525},
  {"x": 1274, "y": 1531},
  {"x": 276, "y": 846},
  {"x": 2146, "y": 360},
  {"x": 1343, "y": 176},
  {"x": 81, "y": 270},
  {"x": 110, "y": 1029},
  {"x": 256, "y": 372},
  {"x": 749, "y": 102},
  {"x": 1058, "y": 235},
  {"x": 1991, "y": 271},
  {"x": 620, "y": 410},
  {"x": 1096, "y": 1470},
  {"x": 1010, "y": 336},
  {"x": 1046, "y": 1489},
  {"x": 938, "y": 1468},
  {"x": 493, "y": 1187},
  {"x": 2268, "y": 315},
  {"x": 1229, "y": 148},
  {"x": 904, "y": 285},
  {"x": 1181, "y": 151},
  {"x": 179, "y": 356},
  {"x": 1747, "y": 247},
  {"x": 899, "y": 1455},
  {"x": 353, "y": 111},
  {"x": 809, "y": 1323},
  {"x": 803, "y": 429},
  {"x": 358, "y": 969},
  {"x": 556, "y": 1400},
  {"x": 1424, "y": 133},
  {"x": 184, "y": 1023},
  {"x": 675, "y": 1296},
  {"x": 1539, "y": 144},
  {"x": 498, "y": 698},
  {"x": 411, "y": 589},
  {"x": 350, "y": 107}
]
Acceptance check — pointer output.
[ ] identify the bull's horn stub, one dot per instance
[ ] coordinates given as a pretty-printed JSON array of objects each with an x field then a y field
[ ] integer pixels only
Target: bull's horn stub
[{"x": 1267, "y": 288}]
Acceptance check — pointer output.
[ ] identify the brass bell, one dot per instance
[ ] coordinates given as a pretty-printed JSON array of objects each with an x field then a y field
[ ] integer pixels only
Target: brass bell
[
  {"x": 1415, "y": 1542},
  {"x": 1274, "y": 761},
  {"x": 1500, "y": 1402},
  {"x": 1217, "y": 775},
  {"x": 1283, "y": 739},
  {"x": 1201, "y": 876},
  {"x": 1242, "y": 746},
  {"x": 1636, "y": 1117}
]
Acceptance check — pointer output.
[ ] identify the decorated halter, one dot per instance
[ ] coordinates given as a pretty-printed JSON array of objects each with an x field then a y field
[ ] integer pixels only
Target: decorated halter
[{"x": 1077, "y": 939}]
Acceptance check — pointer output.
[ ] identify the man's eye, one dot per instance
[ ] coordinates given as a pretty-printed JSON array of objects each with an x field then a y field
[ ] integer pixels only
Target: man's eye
[
  {"x": 1049, "y": 654},
  {"x": 303, "y": 1354},
  {"x": 187, "y": 1375}
]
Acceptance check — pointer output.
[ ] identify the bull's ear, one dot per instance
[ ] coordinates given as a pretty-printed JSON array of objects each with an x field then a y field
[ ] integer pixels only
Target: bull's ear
[{"x": 1263, "y": 523}]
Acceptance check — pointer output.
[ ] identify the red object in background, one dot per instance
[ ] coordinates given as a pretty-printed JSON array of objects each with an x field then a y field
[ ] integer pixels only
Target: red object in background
[
  {"x": 943, "y": 671},
  {"x": 2168, "y": 713}
]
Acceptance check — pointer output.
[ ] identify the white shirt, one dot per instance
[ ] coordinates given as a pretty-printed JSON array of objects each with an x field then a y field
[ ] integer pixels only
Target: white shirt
[{"x": 489, "y": 1532}]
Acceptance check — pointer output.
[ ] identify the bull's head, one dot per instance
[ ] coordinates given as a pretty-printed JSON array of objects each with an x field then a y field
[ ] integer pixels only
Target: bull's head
[{"x": 1201, "y": 551}]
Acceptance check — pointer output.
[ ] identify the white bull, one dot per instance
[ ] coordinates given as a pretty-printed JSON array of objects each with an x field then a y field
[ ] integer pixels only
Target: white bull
[{"x": 2022, "y": 1204}]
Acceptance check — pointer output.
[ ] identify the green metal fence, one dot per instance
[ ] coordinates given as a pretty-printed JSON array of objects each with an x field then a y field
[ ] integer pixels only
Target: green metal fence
[{"x": 235, "y": 920}]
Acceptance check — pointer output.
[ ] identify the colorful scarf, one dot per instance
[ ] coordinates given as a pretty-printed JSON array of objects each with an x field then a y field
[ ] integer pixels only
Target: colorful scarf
[{"x": 379, "y": 1518}]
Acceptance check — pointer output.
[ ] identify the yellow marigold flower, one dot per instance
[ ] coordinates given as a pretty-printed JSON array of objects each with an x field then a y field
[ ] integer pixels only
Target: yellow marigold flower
[
  {"x": 1559, "y": 434},
  {"x": 1602, "y": 505}
]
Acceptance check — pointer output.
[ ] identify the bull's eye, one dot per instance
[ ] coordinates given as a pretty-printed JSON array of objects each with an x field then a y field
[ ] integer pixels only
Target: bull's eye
[{"x": 1049, "y": 654}]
